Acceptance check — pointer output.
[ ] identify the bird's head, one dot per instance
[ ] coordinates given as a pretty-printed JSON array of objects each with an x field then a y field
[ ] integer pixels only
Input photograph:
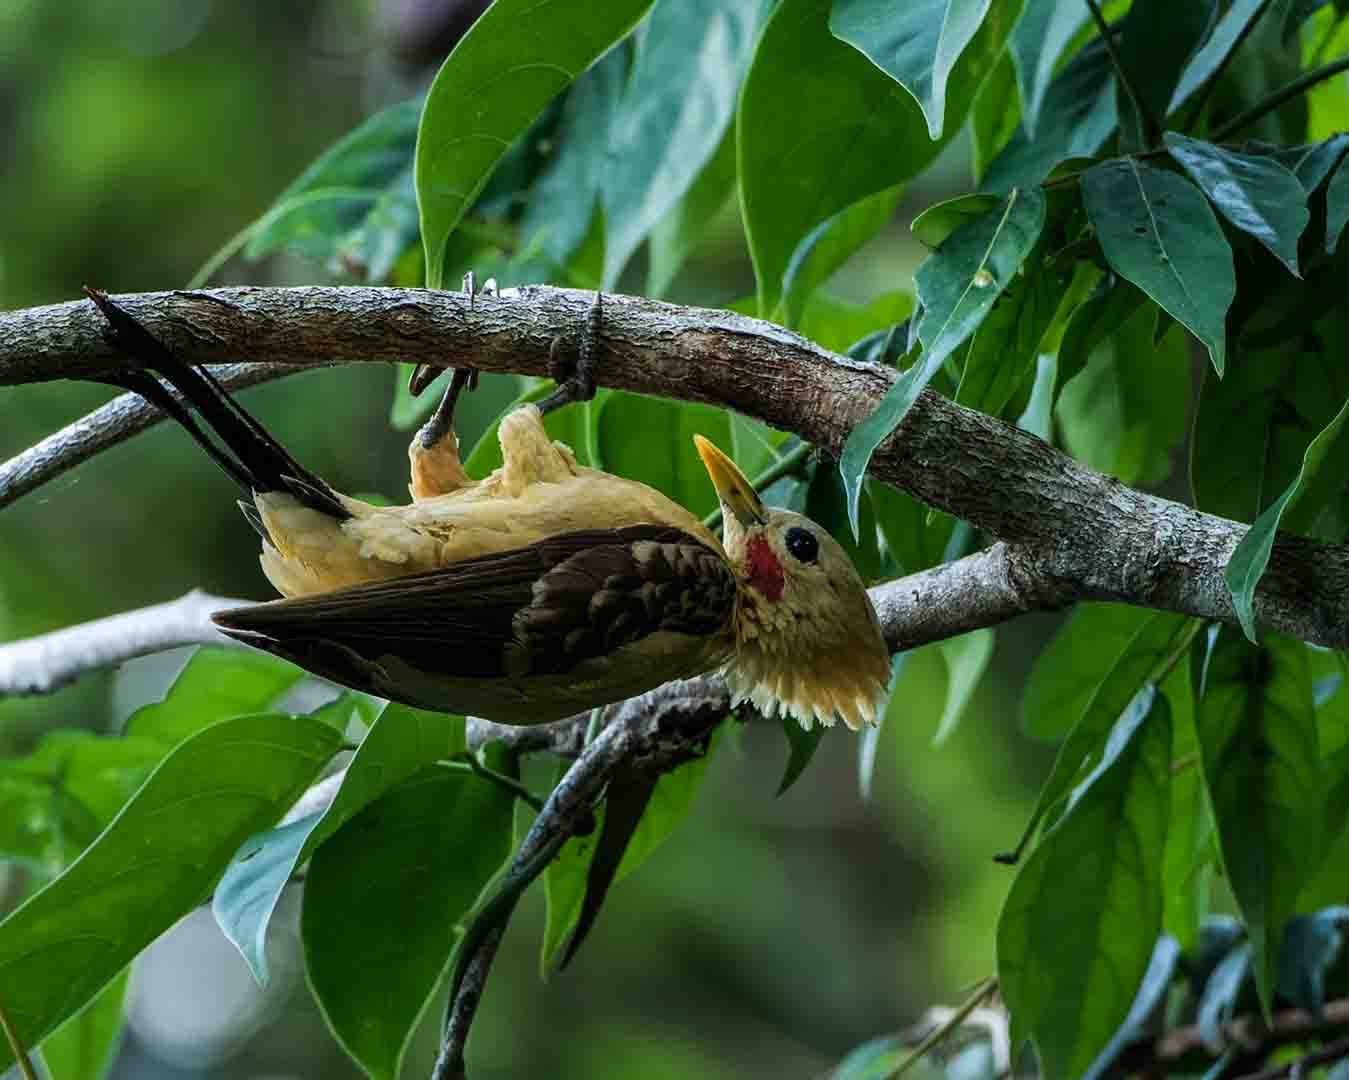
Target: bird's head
[{"x": 807, "y": 637}]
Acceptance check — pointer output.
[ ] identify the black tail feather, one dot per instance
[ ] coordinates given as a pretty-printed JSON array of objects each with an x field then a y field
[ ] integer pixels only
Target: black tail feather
[{"x": 255, "y": 460}]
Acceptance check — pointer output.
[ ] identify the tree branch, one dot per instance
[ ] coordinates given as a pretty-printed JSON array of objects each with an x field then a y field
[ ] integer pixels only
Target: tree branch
[{"x": 1070, "y": 533}]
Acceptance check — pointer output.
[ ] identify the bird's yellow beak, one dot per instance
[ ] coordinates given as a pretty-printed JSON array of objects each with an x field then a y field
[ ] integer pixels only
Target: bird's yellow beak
[{"x": 736, "y": 493}]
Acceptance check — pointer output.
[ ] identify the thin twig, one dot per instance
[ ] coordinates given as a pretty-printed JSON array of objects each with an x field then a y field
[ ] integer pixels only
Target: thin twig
[
  {"x": 1336, "y": 1051},
  {"x": 16, "y": 1046},
  {"x": 470, "y": 763},
  {"x": 1273, "y": 101},
  {"x": 939, "y": 1034},
  {"x": 1150, "y": 124}
]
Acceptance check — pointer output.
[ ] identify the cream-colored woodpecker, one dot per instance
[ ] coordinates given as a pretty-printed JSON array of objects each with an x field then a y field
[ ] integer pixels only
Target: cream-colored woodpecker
[{"x": 536, "y": 592}]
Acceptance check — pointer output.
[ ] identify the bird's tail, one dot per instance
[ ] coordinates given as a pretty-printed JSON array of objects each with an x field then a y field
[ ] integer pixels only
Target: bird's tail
[{"x": 249, "y": 454}]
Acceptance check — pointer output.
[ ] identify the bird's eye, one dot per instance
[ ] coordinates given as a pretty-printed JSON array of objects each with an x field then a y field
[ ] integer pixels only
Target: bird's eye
[{"x": 803, "y": 545}]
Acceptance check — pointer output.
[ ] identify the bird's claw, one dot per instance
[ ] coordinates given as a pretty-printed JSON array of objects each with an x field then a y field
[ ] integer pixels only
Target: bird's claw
[
  {"x": 423, "y": 375},
  {"x": 575, "y": 380}
]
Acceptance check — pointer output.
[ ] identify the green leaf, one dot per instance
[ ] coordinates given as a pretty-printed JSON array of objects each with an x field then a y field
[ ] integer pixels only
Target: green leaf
[
  {"x": 1156, "y": 39},
  {"x": 966, "y": 658},
  {"x": 851, "y": 132},
  {"x": 1116, "y": 679},
  {"x": 1079, "y": 926},
  {"x": 917, "y": 44},
  {"x": 675, "y": 236},
  {"x": 565, "y": 877},
  {"x": 1151, "y": 995},
  {"x": 215, "y": 684},
  {"x": 1038, "y": 41},
  {"x": 1257, "y": 729},
  {"x": 337, "y": 192},
  {"x": 1227, "y": 34},
  {"x": 651, "y": 439},
  {"x": 828, "y": 246},
  {"x": 382, "y": 900},
  {"x": 1189, "y": 838},
  {"x": 801, "y": 746},
  {"x": 154, "y": 863},
  {"x": 956, "y": 288},
  {"x": 994, "y": 116},
  {"x": 402, "y": 741},
  {"x": 85, "y": 1046},
  {"x": 1128, "y": 410},
  {"x": 677, "y": 106},
  {"x": 1077, "y": 116},
  {"x": 519, "y": 55},
  {"x": 1248, "y": 562},
  {"x": 1093, "y": 324},
  {"x": 1158, "y": 231},
  {"x": 1001, "y": 356},
  {"x": 1337, "y": 206},
  {"x": 940, "y": 220},
  {"x": 564, "y": 201},
  {"x": 838, "y": 326},
  {"x": 913, "y": 541},
  {"x": 1257, "y": 195},
  {"x": 826, "y": 505}
]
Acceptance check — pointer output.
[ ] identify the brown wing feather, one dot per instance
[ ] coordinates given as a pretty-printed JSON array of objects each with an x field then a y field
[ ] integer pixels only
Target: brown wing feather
[{"x": 540, "y": 609}]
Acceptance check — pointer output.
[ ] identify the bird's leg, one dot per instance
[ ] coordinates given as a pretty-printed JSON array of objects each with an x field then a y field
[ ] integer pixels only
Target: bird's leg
[
  {"x": 434, "y": 451},
  {"x": 575, "y": 381}
]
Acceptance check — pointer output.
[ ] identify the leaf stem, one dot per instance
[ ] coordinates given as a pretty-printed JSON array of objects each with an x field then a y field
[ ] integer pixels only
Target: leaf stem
[
  {"x": 784, "y": 466},
  {"x": 1297, "y": 86},
  {"x": 1151, "y": 127},
  {"x": 16, "y": 1046},
  {"x": 942, "y": 1032},
  {"x": 469, "y": 763}
]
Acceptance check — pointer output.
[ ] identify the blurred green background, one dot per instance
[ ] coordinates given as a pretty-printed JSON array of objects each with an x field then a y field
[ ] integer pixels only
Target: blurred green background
[{"x": 770, "y": 935}]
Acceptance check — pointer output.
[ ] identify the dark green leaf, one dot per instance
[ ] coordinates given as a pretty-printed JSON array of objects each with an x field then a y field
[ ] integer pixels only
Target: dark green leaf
[
  {"x": 153, "y": 864},
  {"x": 801, "y": 746},
  {"x": 826, "y": 505},
  {"x": 1158, "y": 231},
  {"x": 966, "y": 658},
  {"x": 913, "y": 541},
  {"x": 957, "y": 287},
  {"x": 337, "y": 192},
  {"x": 1152, "y": 991},
  {"x": 1116, "y": 679},
  {"x": 1256, "y": 194},
  {"x": 1080, "y": 924},
  {"x": 1312, "y": 164},
  {"x": 85, "y": 1046},
  {"x": 675, "y": 110},
  {"x": 521, "y": 54},
  {"x": 994, "y": 116},
  {"x": 1077, "y": 116},
  {"x": 1186, "y": 864},
  {"x": 382, "y": 900},
  {"x": 828, "y": 246},
  {"x": 1128, "y": 410},
  {"x": 1045, "y": 30},
  {"x": 1248, "y": 562},
  {"x": 1157, "y": 39},
  {"x": 1093, "y": 324},
  {"x": 918, "y": 44},
  {"x": 940, "y": 220},
  {"x": 1001, "y": 356},
  {"x": 1211, "y": 55},
  {"x": 1257, "y": 729},
  {"x": 1337, "y": 206},
  {"x": 402, "y": 741},
  {"x": 215, "y": 684},
  {"x": 1311, "y": 945},
  {"x": 837, "y": 325},
  {"x": 564, "y": 201},
  {"x": 674, "y": 237},
  {"x": 850, "y": 132}
]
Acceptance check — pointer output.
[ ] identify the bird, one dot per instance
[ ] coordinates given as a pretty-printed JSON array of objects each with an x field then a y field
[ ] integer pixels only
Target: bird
[{"x": 538, "y": 592}]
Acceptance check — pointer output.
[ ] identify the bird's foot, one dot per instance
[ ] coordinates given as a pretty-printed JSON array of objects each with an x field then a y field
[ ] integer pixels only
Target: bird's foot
[
  {"x": 575, "y": 379},
  {"x": 435, "y": 429}
]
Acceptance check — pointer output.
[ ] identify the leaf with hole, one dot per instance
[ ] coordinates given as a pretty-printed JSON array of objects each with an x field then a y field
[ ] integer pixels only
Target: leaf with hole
[{"x": 1159, "y": 232}]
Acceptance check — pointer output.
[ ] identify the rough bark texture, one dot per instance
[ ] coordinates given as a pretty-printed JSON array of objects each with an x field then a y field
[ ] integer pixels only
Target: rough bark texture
[{"x": 1070, "y": 532}]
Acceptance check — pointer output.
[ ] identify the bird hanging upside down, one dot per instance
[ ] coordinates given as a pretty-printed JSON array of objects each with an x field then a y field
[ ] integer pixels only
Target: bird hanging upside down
[{"x": 539, "y": 591}]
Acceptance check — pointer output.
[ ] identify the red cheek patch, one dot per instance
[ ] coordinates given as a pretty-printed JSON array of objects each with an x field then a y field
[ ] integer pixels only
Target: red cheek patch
[{"x": 764, "y": 570}]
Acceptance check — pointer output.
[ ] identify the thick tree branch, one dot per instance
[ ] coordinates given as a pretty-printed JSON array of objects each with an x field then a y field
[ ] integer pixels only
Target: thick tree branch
[{"x": 1071, "y": 533}]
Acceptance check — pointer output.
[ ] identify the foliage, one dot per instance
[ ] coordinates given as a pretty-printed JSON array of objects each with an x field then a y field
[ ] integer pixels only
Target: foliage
[{"x": 1127, "y": 220}]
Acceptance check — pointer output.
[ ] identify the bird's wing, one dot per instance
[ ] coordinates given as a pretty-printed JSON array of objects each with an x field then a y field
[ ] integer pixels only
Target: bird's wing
[{"x": 539, "y": 609}]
